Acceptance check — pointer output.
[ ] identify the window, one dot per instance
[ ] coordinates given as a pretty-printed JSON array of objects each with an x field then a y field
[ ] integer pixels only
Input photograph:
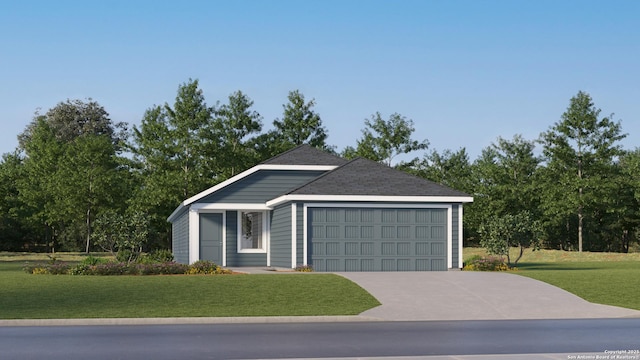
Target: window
[{"x": 252, "y": 231}]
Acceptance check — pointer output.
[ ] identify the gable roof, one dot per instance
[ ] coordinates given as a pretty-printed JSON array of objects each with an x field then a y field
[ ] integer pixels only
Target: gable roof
[
  {"x": 305, "y": 155},
  {"x": 356, "y": 180}
]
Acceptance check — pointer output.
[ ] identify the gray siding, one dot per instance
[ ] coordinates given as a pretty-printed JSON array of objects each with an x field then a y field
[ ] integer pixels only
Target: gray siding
[
  {"x": 233, "y": 257},
  {"x": 180, "y": 238},
  {"x": 281, "y": 236},
  {"x": 454, "y": 236},
  {"x": 261, "y": 186}
]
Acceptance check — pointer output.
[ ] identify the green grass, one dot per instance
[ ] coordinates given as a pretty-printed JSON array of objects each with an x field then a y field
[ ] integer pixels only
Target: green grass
[
  {"x": 25, "y": 296},
  {"x": 602, "y": 282},
  {"x": 602, "y": 278}
]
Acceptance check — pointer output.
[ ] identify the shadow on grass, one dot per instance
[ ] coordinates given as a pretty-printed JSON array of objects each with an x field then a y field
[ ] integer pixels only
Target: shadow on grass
[{"x": 555, "y": 266}]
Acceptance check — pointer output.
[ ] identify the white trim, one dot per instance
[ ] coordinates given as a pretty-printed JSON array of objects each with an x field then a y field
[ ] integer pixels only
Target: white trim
[
  {"x": 449, "y": 237},
  {"x": 265, "y": 232},
  {"x": 244, "y": 174},
  {"x": 224, "y": 231},
  {"x": 294, "y": 230},
  {"x": 460, "y": 236},
  {"x": 381, "y": 206},
  {"x": 449, "y": 208},
  {"x": 368, "y": 198},
  {"x": 305, "y": 231},
  {"x": 230, "y": 206},
  {"x": 194, "y": 236}
]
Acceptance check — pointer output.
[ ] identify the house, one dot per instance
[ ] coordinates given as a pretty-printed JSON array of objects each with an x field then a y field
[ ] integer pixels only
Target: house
[{"x": 308, "y": 207}]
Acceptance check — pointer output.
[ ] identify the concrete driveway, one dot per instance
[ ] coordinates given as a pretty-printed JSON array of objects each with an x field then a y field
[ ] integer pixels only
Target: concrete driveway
[{"x": 464, "y": 295}]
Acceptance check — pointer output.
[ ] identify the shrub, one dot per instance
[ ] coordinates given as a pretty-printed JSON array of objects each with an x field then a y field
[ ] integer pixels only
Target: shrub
[
  {"x": 92, "y": 260},
  {"x": 164, "y": 268},
  {"x": 162, "y": 255},
  {"x": 51, "y": 269},
  {"x": 113, "y": 268},
  {"x": 304, "y": 268},
  {"x": 491, "y": 263},
  {"x": 202, "y": 267}
]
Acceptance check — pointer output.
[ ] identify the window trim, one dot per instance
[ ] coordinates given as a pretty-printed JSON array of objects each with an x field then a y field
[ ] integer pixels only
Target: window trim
[{"x": 265, "y": 232}]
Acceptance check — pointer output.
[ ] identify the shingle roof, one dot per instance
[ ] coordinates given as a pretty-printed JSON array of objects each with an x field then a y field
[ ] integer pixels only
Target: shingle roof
[
  {"x": 365, "y": 177},
  {"x": 305, "y": 155}
]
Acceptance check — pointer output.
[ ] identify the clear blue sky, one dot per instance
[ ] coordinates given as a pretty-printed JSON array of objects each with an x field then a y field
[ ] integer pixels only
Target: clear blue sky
[{"x": 466, "y": 72}]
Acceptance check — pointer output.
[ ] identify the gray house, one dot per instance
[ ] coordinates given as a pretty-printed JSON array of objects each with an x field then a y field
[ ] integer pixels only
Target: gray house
[{"x": 308, "y": 207}]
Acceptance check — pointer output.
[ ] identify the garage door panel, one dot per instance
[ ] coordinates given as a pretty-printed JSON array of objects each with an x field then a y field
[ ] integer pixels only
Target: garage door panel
[
  {"x": 423, "y": 248},
  {"x": 352, "y": 239},
  {"x": 404, "y": 248}
]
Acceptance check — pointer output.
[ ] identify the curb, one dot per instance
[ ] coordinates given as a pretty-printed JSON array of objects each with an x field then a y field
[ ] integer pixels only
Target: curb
[{"x": 185, "y": 321}]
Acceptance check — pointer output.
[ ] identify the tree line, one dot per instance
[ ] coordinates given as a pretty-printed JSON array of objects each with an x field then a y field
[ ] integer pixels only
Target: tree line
[{"x": 76, "y": 175}]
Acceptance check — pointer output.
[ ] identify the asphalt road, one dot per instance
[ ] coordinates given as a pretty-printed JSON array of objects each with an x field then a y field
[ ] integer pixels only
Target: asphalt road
[{"x": 319, "y": 340}]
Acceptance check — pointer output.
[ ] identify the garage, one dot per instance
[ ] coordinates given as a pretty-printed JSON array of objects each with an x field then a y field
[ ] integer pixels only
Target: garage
[{"x": 378, "y": 239}]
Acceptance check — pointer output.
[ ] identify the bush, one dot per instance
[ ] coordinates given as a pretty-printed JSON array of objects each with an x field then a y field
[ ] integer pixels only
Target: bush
[
  {"x": 50, "y": 269},
  {"x": 162, "y": 255},
  {"x": 164, "y": 268},
  {"x": 491, "y": 263},
  {"x": 304, "y": 268},
  {"x": 204, "y": 267},
  {"x": 92, "y": 260}
]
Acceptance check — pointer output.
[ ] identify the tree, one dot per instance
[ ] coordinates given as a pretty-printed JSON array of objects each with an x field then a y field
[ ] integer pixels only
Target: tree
[
  {"x": 70, "y": 164},
  {"x": 300, "y": 124},
  {"x": 123, "y": 235},
  {"x": 74, "y": 118},
  {"x": 500, "y": 233},
  {"x": 452, "y": 169},
  {"x": 15, "y": 231},
  {"x": 191, "y": 122},
  {"x": 383, "y": 140},
  {"x": 176, "y": 152},
  {"x": 579, "y": 151},
  {"x": 236, "y": 123},
  {"x": 506, "y": 174},
  {"x": 89, "y": 180}
]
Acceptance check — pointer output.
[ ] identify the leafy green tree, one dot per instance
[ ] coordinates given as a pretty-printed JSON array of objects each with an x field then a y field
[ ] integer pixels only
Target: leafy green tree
[
  {"x": 15, "y": 232},
  {"x": 618, "y": 215},
  {"x": 237, "y": 126},
  {"x": 176, "y": 152},
  {"x": 191, "y": 121},
  {"x": 89, "y": 180},
  {"x": 500, "y": 233},
  {"x": 300, "y": 124},
  {"x": 506, "y": 173},
  {"x": 383, "y": 140},
  {"x": 452, "y": 169},
  {"x": 123, "y": 235},
  {"x": 579, "y": 151},
  {"x": 74, "y": 118},
  {"x": 70, "y": 170}
]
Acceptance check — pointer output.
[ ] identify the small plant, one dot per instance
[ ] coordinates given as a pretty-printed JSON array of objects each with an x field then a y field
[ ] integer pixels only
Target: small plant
[
  {"x": 162, "y": 255},
  {"x": 304, "y": 268},
  {"x": 202, "y": 267},
  {"x": 50, "y": 269},
  {"x": 92, "y": 260},
  {"x": 165, "y": 268},
  {"x": 490, "y": 263}
]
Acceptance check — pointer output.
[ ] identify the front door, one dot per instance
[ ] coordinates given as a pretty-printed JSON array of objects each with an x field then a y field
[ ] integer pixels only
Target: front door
[{"x": 211, "y": 237}]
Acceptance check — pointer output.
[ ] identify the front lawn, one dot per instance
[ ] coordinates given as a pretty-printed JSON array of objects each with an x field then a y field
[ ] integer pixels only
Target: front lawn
[
  {"x": 25, "y": 296},
  {"x": 603, "y": 282},
  {"x": 602, "y": 278}
]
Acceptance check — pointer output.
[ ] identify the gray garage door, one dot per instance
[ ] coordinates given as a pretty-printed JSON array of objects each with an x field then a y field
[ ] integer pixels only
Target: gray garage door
[{"x": 361, "y": 239}]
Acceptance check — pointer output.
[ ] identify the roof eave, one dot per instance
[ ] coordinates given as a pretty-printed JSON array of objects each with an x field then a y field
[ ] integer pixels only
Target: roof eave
[{"x": 370, "y": 198}]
